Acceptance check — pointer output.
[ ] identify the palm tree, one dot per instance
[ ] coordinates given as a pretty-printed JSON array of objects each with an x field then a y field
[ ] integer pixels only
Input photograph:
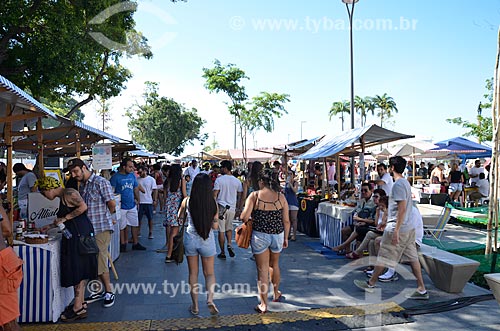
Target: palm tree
[
  {"x": 386, "y": 106},
  {"x": 340, "y": 107},
  {"x": 363, "y": 106}
]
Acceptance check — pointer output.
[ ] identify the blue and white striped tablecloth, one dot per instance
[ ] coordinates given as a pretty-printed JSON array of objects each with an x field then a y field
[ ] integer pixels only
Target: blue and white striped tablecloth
[
  {"x": 41, "y": 297},
  {"x": 331, "y": 219}
]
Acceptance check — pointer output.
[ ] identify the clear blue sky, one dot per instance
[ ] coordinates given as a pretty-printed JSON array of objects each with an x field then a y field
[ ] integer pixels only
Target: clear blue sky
[{"x": 433, "y": 62}]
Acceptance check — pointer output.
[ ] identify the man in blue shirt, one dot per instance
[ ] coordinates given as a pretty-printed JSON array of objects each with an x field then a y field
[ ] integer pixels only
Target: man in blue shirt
[{"x": 125, "y": 184}]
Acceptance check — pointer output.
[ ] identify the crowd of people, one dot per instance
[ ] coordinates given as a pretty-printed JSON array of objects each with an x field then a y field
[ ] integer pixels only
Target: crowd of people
[{"x": 210, "y": 199}]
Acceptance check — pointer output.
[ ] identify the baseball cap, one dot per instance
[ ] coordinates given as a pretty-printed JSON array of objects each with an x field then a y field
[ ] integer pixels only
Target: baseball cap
[{"x": 75, "y": 163}]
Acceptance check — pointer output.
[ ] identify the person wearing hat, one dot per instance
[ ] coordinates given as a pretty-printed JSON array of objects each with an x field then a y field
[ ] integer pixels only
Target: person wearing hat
[
  {"x": 193, "y": 169},
  {"x": 76, "y": 268},
  {"x": 206, "y": 168},
  {"x": 25, "y": 186},
  {"x": 97, "y": 193}
]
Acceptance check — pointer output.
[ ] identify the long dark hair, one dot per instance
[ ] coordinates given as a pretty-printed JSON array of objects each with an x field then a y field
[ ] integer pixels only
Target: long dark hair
[
  {"x": 254, "y": 175},
  {"x": 202, "y": 206},
  {"x": 270, "y": 179},
  {"x": 174, "y": 177}
]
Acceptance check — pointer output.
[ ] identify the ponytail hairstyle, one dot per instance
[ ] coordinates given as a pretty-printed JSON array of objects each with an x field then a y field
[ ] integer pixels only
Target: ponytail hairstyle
[
  {"x": 202, "y": 206},
  {"x": 270, "y": 179}
]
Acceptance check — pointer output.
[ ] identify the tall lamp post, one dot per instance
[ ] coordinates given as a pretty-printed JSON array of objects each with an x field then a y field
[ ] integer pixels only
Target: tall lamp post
[
  {"x": 301, "y": 122},
  {"x": 479, "y": 112},
  {"x": 350, "y": 13}
]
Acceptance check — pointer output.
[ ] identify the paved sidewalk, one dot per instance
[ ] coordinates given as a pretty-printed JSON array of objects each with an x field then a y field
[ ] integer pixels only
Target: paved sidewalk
[{"x": 158, "y": 291}]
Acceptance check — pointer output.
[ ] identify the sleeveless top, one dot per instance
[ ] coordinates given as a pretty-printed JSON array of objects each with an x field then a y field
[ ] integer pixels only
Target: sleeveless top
[
  {"x": 190, "y": 228},
  {"x": 268, "y": 221},
  {"x": 158, "y": 178},
  {"x": 456, "y": 176}
]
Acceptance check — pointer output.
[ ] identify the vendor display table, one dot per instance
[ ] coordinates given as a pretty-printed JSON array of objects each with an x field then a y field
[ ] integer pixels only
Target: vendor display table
[
  {"x": 331, "y": 219},
  {"x": 307, "y": 222},
  {"x": 41, "y": 297}
]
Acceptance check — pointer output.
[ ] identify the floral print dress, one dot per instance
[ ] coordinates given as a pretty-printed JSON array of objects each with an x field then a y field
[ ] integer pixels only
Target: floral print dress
[{"x": 173, "y": 202}]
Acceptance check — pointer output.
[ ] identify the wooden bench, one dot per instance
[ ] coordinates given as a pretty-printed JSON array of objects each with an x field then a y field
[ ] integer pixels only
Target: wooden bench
[{"x": 449, "y": 272}]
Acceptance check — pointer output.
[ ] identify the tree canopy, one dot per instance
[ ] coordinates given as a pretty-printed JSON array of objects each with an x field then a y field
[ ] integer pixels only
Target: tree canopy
[
  {"x": 47, "y": 48},
  {"x": 250, "y": 116},
  {"x": 162, "y": 125}
]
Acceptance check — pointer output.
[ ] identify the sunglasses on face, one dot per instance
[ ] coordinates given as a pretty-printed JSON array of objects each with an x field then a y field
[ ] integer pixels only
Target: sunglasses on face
[{"x": 364, "y": 190}]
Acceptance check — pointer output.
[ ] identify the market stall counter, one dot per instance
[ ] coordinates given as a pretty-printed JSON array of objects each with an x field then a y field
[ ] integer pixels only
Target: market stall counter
[
  {"x": 307, "y": 222},
  {"x": 331, "y": 219},
  {"x": 41, "y": 297}
]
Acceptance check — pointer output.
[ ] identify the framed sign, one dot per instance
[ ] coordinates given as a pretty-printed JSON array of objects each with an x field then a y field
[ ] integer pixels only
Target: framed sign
[
  {"x": 54, "y": 173},
  {"x": 42, "y": 210},
  {"x": 102, "y": 156}
]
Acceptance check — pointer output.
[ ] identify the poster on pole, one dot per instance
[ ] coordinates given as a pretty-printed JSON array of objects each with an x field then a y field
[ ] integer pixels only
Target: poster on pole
[{"x": 102, "y": 156}]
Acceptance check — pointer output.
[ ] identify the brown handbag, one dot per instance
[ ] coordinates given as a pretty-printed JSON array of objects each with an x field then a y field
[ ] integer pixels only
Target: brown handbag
[{"x": 244, "y": 234}]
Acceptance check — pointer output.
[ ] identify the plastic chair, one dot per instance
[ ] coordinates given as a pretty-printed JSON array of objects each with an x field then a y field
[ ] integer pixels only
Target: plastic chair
[{"x": 438, "y": 230}]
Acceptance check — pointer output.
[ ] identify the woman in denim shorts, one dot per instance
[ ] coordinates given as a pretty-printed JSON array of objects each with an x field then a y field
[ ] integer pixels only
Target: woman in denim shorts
[
  {"x": 199, "y": 212},
  {"x": 268, "y": 209}
]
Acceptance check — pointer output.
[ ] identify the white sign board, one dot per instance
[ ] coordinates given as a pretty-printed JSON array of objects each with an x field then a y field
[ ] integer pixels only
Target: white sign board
[
  {"x": 42, "y": 210},
  {"x": 102, "y": 156}
]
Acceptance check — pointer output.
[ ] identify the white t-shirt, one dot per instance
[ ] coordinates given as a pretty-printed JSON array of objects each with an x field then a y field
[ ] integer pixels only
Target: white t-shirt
[
  {"x": 148, "y": 183},
  {"x": 401, "y": 191},
  {"x": 475, "y": 171},
  {"x": 418, "y": 223},
  {"x": 228, "y": 187},
  {"x": 192, "y": 172},
  {"x": 387, "y": 187},
  {"x": 484, "y": 187}
]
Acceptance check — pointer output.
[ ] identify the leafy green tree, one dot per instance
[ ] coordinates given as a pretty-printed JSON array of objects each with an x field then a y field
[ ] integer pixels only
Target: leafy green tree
[
  {"x": 482, "y": 130},
  {"x": 61, "y": 108},
  {"x": 46, "y": 47},
  {"x": 104, "y": 112},
  {"x": 250, "y": 116},
  {"x": 340, "y": 107},
  {"x": 163, "y": 125},
  {"x": 386, "y": 107}
]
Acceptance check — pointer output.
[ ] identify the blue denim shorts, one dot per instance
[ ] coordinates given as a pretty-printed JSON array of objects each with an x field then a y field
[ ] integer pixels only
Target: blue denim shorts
[
  {"x": 262, "y": 241},
  {"x": 194, "y": 245}
]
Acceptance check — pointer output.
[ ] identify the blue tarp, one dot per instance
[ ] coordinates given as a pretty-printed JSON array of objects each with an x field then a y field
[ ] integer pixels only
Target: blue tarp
[
  {"x": 464, "y": 148},
  {"x": 335, "y": 144}
]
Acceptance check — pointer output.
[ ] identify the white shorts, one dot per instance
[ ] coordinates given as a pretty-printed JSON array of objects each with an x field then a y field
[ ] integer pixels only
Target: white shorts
[{"x": 129, "y": 217}]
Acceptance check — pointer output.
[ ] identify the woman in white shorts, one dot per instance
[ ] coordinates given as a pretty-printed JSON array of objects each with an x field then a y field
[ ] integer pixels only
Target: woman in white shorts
[
  {"x": 271, "y": 226},
  {"x": 200, "y": 213},
  {"x": 456, "y": 179}
]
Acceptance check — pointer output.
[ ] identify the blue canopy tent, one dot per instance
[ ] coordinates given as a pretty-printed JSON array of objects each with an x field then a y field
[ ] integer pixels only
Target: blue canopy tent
[{"x": 463, "y": 148}]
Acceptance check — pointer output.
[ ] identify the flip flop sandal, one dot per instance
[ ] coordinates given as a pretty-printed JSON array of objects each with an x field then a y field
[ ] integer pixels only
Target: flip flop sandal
[
  {"x": 260, "y": 311},
  {"x": 212, "y": 308},
  {"x": 280, "y": 298},
  {"x": 193, "y": 312}
]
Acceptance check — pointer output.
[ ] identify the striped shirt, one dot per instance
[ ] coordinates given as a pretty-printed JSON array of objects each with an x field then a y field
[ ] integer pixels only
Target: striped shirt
[{"x": 96, "y": 193}]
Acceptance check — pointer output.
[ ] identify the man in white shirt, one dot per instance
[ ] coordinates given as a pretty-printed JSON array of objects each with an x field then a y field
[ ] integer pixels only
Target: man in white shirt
[
  {"x": 475, "y": 171},
  {"x": 483, "y": 186},
  {"x": 147, "y": 197},
  {"x": 192, "y": 170},
  {"x": 385, "y": 181},
  {"x": 227, "y": 193}
]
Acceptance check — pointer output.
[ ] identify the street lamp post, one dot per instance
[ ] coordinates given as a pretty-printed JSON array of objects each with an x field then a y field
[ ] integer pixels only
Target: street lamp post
[
  {"x": 301, "y": 122},
  {"x": 350, "y": 13},
  {"x": 479, "y": 112}
]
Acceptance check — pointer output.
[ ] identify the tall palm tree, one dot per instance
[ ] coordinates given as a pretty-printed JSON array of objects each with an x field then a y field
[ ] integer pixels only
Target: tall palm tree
[
  {"x": 364, "y": 106},
  {"x": 340, "y": 107},
  {"x": 386, "y": 106}
]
